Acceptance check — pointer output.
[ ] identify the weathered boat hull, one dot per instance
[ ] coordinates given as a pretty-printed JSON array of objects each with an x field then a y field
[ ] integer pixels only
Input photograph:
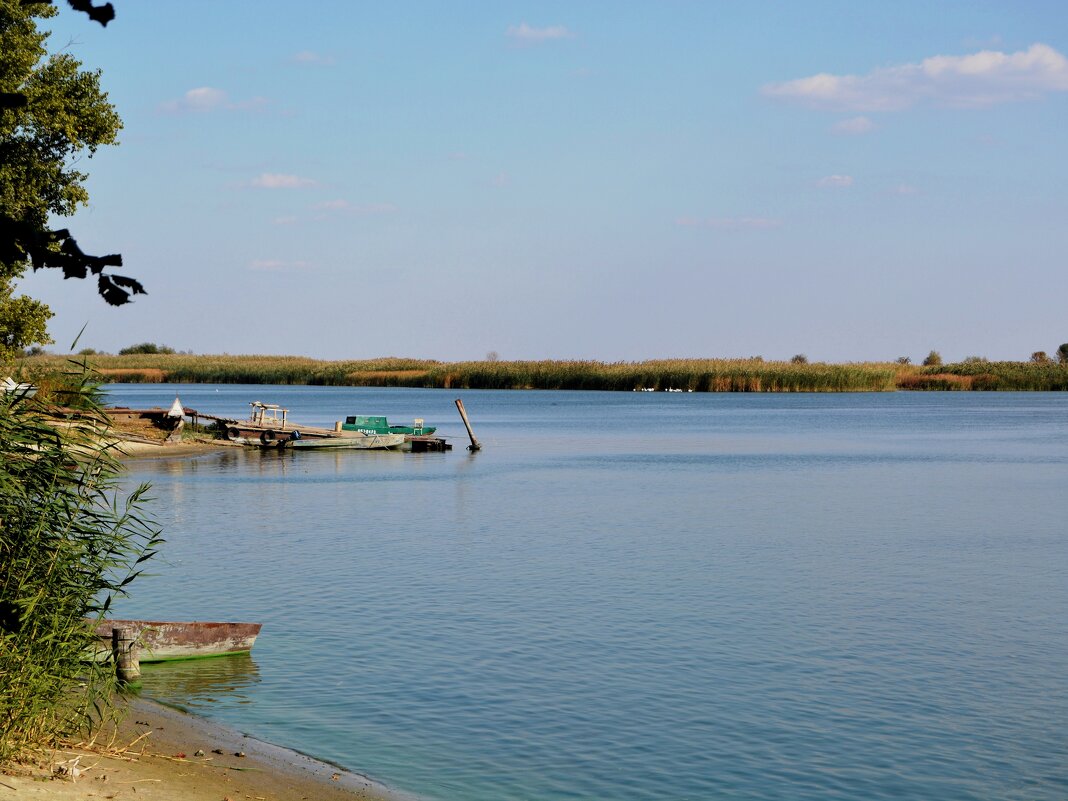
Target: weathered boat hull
[{"x": 161, "y": 641}]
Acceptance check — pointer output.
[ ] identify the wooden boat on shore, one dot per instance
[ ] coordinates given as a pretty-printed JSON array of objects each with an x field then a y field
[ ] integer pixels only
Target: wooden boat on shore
[{"x": 162, "y": 641}]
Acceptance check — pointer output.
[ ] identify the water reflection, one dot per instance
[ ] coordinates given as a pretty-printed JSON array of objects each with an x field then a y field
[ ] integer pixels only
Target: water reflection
[{"x": 202, "y": 683}]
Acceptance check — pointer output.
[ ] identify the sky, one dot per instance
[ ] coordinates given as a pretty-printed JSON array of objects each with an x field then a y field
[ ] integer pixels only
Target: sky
[{"x": 596, "y": 180}]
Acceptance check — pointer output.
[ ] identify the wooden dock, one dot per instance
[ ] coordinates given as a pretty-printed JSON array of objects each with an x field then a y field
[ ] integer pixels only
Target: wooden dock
[{"x": 428, "y": 444}]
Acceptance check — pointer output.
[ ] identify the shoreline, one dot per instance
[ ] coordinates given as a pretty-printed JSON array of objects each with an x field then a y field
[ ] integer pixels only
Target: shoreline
[{"x": 159, "y": 753}]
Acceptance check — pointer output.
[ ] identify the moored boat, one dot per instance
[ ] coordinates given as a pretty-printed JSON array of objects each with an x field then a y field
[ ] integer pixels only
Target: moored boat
[
  {"x": 345, "y": 439},
  {"x": 376, "y": 424},
  {"x": 161, "y": 641},
  {"x": 269, "y": 426}
]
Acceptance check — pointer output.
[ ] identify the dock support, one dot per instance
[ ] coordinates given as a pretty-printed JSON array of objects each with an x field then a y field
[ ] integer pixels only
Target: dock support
[
  {"x": 124, "y": 649},
  {"x": 474, "y": 446}
]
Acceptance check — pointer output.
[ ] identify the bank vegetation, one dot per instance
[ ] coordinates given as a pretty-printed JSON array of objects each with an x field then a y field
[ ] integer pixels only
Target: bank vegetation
[{"x": 696, "y": 375}]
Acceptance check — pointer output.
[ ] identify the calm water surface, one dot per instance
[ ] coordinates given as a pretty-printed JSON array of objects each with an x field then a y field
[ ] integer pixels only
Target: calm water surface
[{"x": 639, "y": 596}]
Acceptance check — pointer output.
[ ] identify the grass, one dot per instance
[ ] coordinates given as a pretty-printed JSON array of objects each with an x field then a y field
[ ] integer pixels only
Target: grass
[{"x": 698, "y": 375}]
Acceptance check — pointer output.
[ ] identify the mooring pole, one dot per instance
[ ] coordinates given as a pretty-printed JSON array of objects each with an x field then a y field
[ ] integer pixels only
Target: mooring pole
[
  {"x": 474, "y": 446},
  {"x": 124, "y": 649}
]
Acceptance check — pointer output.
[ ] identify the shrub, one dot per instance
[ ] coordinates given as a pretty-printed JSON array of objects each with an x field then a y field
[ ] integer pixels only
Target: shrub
[
  {"x": 800, "y": 358},
  {"x": 934, "y": 359},
  {"x": 1040, "y": 357},
  {"x": 904, "y": 360},
  {"x": 146, "y": 347},
  {"x": 1062, "y": 353}
]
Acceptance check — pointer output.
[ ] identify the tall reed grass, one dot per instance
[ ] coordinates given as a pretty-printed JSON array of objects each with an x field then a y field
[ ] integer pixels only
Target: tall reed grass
[
  {"x": 697, "y": 375},
  {"x": 1013, "y": 376},
  {"x": 69, "y": 541}
]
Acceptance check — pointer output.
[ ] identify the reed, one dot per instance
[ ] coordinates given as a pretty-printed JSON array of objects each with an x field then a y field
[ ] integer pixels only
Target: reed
[
  {"x": 1004, "y": 376},
  {"x": 69, "y": 542},
  {"x": 697, "y": 375}
]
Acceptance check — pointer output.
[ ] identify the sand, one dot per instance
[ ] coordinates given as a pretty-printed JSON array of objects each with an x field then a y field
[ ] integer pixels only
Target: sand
[{"x": 162, "y": 754}]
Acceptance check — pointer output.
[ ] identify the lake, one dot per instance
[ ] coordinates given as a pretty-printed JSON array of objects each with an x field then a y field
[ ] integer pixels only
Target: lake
[{"x": 637, "y": 595}]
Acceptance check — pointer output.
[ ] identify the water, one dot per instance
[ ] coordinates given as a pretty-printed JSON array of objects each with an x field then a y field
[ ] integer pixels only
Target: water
[{"x": 640, "y": 596}]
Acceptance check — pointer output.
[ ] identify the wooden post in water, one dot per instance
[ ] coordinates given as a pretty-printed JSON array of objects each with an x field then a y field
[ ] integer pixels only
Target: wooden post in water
[
  {"x": 124, "y": 649},
  {"x": 474, "y": 446}
]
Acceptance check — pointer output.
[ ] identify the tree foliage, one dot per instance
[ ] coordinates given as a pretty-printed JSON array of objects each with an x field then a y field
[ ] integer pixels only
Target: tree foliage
[
  {"x": 69, "y": 542},
  {"x": 146, "y": 347},
  {"x": 933, "y": 359},
  {"x": 52, "y": 112}
]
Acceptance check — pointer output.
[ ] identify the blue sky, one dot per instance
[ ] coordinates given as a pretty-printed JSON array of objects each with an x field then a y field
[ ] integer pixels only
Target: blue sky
[{"x": 601, "y": 180}]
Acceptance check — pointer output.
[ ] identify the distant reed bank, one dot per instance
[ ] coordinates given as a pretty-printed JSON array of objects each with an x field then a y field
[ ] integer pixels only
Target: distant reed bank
[{"x": 687, "y": 375}]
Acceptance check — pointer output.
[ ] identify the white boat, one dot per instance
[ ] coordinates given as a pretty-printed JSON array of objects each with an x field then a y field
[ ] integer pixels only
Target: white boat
[{"x": 345, "y": 439}]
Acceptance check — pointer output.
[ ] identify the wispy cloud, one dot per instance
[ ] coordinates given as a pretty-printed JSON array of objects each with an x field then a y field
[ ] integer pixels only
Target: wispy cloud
[
  {"x": 204, "y": 99},
  {"x": 278, "y": 266},
  {"x": 341, "y": 205},
  {"x": 277, "y": 180},
  {"x": 531, "y": 35},
  {"x": 729, "y": 223},
  {"x": 904, "y": 189},
  {"x": 309, "y": 58},
  {"x": 835, "y": 181},
  {"x": 972, "y": 81},
  {"x": 854, "y": 126},
  {"x": 287, "y": 219}
]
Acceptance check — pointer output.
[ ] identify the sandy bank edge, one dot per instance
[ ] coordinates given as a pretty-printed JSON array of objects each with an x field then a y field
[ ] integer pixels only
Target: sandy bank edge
[{"x": 151, "y": 757}]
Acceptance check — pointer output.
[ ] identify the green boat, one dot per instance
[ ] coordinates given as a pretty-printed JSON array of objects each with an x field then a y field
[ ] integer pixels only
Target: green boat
[{"x": 379, "y": 425}]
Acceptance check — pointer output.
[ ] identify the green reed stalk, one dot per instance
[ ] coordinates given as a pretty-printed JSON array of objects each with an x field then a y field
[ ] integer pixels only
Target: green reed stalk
[{"x": 69, "y": 542}]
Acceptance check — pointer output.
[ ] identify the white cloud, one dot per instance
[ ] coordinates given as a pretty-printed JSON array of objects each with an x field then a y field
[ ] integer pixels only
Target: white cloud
[
  {"x": 311, "y": 58},
  {"x": 904, "y": 189},
  {"x": 203, "y": 98},
  {"x": 977, "y": 80},
  {"x": 207, "y": 98},
  {"x": 854, "y": 126},
  {"x": 835, "y": 181},
  {"x": 288, "y": 219},
  {"x": 334, "y": 205},
  {"x": 276, "y": 180},
  {"x": 278, "y": 266},
  {"x": 526, "y": 33},
  {"x": 729, "y": 223}
]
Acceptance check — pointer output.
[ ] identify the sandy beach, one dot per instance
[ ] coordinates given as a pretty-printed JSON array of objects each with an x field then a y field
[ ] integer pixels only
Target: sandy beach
[{"x": 161, "y": 754}]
